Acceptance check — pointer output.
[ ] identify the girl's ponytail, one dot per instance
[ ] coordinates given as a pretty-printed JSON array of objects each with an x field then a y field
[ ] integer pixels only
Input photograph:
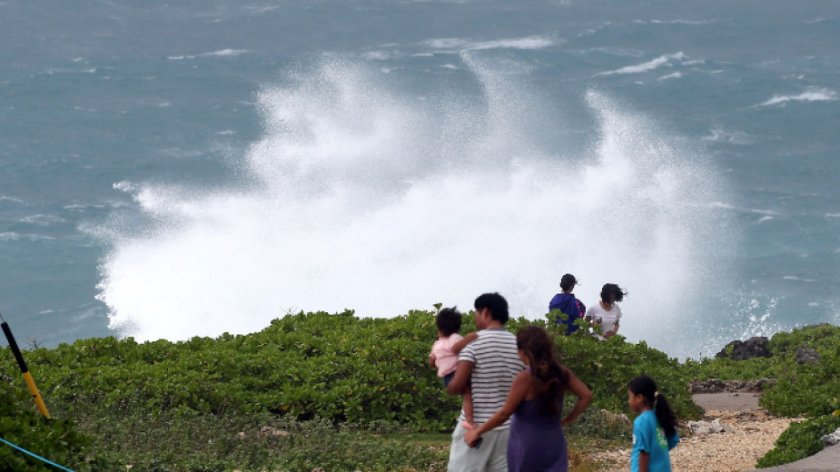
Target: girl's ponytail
[
  {"x": 645, "y": 386},
  {"x": 665, "y": 415}
]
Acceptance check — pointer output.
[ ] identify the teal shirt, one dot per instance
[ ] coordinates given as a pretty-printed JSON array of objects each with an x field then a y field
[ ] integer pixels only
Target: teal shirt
[{"x": 649, "y": 437}]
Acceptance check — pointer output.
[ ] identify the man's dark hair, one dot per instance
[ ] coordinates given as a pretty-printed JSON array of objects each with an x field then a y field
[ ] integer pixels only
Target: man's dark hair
[
  {"x": 497, "y": 305},
  {"x": 448, "y": 321},
  {"x": 568, "y": 282}
]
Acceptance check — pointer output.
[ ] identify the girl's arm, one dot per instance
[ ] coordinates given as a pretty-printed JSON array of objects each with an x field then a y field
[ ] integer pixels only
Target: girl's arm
[
  {"x": 583, "y": 394},
  {"x": 644, "y": 461},
  {"x": 470, "y": 337},
  {"x": 518, "y": 390}
]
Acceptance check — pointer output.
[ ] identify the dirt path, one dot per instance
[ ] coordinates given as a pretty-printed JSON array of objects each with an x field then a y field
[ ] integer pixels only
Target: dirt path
[{"x": 749, "y": 433}]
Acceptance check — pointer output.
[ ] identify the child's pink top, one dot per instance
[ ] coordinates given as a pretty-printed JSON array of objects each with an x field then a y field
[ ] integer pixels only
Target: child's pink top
[{"x": 445, "y": 359}]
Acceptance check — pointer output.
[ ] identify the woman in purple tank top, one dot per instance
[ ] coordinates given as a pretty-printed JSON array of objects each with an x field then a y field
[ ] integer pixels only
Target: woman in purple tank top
[{"x": 537, "y": 442}]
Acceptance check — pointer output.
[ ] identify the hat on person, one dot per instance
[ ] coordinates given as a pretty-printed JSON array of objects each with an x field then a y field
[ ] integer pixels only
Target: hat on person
[{"x": 568, "y": 280}]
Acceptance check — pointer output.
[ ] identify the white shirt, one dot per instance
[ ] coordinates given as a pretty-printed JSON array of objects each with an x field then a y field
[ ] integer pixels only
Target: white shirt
[
  {"x": 445, "y": 359},
  {"x": 607, "y": 318}
]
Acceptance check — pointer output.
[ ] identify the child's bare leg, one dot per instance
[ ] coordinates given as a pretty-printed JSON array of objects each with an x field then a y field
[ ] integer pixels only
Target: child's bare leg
[{"x": 468, "y": 407}]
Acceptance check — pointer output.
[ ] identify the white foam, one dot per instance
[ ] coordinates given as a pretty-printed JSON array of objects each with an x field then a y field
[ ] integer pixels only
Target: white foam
[
  {"x": 82, "y": 207},
  {"x": 41, "y": 219},
  {"x": 4, "y": 198},
  {"x": 618, "y": 51},
  {"x": 674, "y": 75},
  {"x": 596, "y": 29},
  {"x": 219, "y": 53},
  {"x": 811, "y": 94},
  {"x": 363, "y": 197},
  {"x": 646, "y": 66},
  {"x": 819, "y": 20},
  {"x": 13, "y": 236},
  {"x": 225, "y": 53},
  {"x": 677, "y": 22},
  {"x": 379, "y": 55},
  {"x": 124, "y": 186},
  {"x": 720, "y": 135},
  {"x": 727, "y": 206},
  {"x": 59, "y": 70},
  {"x": 461, "y": 44},
  {"x": 797, "y": 279},
  {"x": 258, "y": 10}
]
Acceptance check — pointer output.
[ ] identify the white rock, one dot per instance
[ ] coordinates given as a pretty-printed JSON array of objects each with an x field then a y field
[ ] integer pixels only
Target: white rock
[
  {"x": 833, "y": 438},
  {"x": 702, "y": 428}
]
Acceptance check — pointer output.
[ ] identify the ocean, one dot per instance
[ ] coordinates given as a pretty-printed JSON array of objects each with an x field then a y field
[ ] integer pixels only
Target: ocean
[{"x": 179, "y": 169}]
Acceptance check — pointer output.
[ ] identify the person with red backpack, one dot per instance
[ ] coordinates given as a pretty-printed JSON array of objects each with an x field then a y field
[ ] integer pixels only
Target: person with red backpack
[{"x": 568, "y": 304}]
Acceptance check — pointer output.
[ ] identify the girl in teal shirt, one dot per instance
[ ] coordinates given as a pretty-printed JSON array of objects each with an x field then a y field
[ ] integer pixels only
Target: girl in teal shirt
[{"x": 654, "y": 434}]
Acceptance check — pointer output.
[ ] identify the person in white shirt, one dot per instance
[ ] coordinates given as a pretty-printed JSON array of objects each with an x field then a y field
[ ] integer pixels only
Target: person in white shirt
[{"x": 606, "y": 313}]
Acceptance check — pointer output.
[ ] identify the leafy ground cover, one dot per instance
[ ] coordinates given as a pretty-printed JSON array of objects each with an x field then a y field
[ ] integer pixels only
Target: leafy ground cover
[{"x": 324, "y": 390}]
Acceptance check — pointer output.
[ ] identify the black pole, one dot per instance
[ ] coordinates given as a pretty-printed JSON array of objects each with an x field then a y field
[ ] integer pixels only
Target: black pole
[{"x": 15, "y": 349}]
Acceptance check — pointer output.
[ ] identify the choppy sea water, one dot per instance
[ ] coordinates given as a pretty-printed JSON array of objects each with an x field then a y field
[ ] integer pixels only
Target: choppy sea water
[{"x": 172, "y": 170}]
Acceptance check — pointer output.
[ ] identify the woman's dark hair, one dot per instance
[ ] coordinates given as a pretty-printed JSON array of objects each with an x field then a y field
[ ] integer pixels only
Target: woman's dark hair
[
  {"x": 646, "y": 387},
  {"x": 497, "y": 305},
  {"x": 448, "y": 321},
  {"x": 611, "y": 293},
  {"x": 550, "y": 378}
]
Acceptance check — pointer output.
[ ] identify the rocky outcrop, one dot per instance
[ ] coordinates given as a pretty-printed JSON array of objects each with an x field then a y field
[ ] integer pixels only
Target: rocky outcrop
[
  {"x": 806, "y": 355},
  {"x": 757, "y": 346},
  {"x": 730, "y": 386}
]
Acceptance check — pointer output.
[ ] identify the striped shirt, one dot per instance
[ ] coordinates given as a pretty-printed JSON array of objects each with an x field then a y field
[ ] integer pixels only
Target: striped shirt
[{"x": 495, "y": 364}]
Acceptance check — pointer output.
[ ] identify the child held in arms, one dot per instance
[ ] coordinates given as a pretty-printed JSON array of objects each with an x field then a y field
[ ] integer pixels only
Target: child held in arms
[{"x": 444, "y": 355}]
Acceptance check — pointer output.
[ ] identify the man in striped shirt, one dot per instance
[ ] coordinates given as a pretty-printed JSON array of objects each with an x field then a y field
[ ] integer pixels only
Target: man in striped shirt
[{"x": 487, "y": 366}]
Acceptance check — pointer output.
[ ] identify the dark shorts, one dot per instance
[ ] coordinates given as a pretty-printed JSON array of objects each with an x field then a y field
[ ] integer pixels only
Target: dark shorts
[{"x": 448, "y": 378}]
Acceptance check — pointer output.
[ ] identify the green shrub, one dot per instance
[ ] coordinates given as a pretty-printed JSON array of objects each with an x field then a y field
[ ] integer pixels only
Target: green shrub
[
  {"x": 142, "y": 403},
  {"x": 799, "y": 441},
  {"x": 55, "y": 440}
]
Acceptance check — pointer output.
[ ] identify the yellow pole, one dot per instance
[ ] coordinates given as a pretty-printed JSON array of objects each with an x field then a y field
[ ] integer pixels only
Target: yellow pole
[{"x": 36, "y": 395}]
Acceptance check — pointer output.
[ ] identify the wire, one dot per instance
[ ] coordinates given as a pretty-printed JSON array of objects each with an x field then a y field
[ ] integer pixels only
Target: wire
[{"x": 42, "y": 459}]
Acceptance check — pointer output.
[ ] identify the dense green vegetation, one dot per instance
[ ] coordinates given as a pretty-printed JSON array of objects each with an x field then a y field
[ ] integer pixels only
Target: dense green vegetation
[
  {"x": 800, "y": 440},
  {"x": 320, "y": 390}
]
